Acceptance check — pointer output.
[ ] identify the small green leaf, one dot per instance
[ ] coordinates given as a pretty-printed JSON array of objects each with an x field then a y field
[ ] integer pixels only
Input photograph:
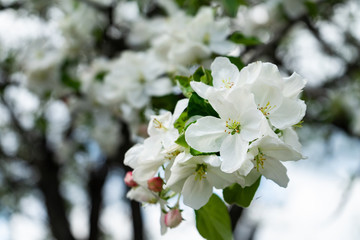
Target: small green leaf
[
  {"x": 240, "y": 38},
  {"x": 101, "y": 75},
  {"x": 237, "y": 62},
  {"x": 167, "y": 102},
  {"x": 213, "y": 220},
  {"x": 181, "y": 141},
  {"x": 239, "y": 195},
  {"x": 195, "y": 152},
  {"x": 179, "y": 124},
  {"x": 231, "y": 6},
  {"x": 200, "y": 106},
  {"x": 202, "y": 75},
  {"x": 312, "y": 8},
  {"x": 184, "y": 85}
]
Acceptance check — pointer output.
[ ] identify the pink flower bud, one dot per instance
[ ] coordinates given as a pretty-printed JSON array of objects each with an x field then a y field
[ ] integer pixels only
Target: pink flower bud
[
  {"x": 129, "y": 180},
  {"x": 173, "y": 218},
  {"x": 155, "y": 184}
]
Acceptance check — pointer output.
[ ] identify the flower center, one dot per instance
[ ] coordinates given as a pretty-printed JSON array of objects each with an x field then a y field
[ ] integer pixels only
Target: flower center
[
  {"x": 158, "y": 124},
  {"x": 259, "y": 160},
  {"x": 200, "y": 171},
  {"x": 206, "y": 39},
  {"x": 227, "y": 83},
  {"x": 232, "y": 127},
  {"x": 266, "y": 109}
]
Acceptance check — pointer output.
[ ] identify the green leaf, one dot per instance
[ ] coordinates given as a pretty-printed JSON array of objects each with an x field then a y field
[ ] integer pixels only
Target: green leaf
[
  {"x": 195, "y": 152},
  {"x": 67, "y": 76},
  {"x": 181, "y": 141},
  {"x": 240, "y": 38},
  {"x": 200, "y": 106},
  {"x": 213, "y": 220},
  {"x": 167, "y": 102},
  {"x": 101, "y": 75},
  {"x": 184, "y": 85},
  {"x": 235, "y": 194},
  {"x": 179, "y": 124},
  {"x": 231, "y": 6},
  {"x": 192, "y": 6},
  {"x": 312, "y": 8},
  {"x": 237, "y": 62},
  {"x": 202, "y": 75}
]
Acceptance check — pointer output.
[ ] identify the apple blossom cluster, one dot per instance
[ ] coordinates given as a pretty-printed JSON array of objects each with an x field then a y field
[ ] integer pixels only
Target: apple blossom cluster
[{"x": 236, "y": 126}]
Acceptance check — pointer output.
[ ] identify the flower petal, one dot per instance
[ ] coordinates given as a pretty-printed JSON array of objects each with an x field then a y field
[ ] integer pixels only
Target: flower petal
[
  {"x": 288, "y": 114},
  {"x": 233, "y": 153},
  {"x": 206, "y": 135},
  {"x": 275, "y": 171},
  {"x": 200, "y": 88},
  {"x": 223, "y": 71},
  {"x": 196, "y": 192}
]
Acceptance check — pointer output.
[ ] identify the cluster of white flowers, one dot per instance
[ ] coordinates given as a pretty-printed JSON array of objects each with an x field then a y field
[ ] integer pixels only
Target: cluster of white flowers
[{"x": 250, "y": 134}]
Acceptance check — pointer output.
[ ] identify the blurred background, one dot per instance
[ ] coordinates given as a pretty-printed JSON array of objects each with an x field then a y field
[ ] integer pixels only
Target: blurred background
[{"x": 80, "y": 78}]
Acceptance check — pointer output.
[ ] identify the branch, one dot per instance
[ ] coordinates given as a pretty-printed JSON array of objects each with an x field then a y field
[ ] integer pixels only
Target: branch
[
  {"x": 235, "y": 214},
  {"x": 15, "y": 5},
  {"x": 49, "y": 184}
]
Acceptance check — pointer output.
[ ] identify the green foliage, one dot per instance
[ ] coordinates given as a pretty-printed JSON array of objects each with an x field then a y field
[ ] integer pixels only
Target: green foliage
[
  {"x": 181, "y": 141},
  {"x": 312, "y": 8},
  {"x": 240, "y": 38},
  {"x": 235, "y": 194},
  {"x": 231, "y": 6},
  {"x": 179, "y": 124},
  {"x": 192, "y": 6},
  {"x": 213, "y": 221},
  {"x": 101, "y": 75},
  {"x": 67, "y": 78},
  {"x": 200, "y": 75},
  {"x": 167, "y": 102},
  {"x": 200, "y": 106},
  {"x": 184, "y": 85},
  {"x": 195, "y": 152}
]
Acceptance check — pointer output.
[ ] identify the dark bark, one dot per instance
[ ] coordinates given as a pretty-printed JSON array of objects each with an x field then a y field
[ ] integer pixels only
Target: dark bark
[
  {"x": 96, "y": 185},
  {"x": 137, "y": 221},
  {"x": 49, "y": 184},
  {"x": 235, "y": 215}
]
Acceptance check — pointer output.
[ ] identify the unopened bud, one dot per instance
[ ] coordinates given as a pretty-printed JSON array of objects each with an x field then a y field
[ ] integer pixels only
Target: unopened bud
[
  {"x": 155, "y": 184},
  {"x": 129, "y": 180},
  {"x": 173, "y": 218}
]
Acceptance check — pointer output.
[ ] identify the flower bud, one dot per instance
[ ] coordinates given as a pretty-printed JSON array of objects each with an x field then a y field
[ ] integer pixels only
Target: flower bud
[
  {"x": 173, "y": 218},
  {"x": 155, "y": 184},
  {"x": 129, "y": 180}
]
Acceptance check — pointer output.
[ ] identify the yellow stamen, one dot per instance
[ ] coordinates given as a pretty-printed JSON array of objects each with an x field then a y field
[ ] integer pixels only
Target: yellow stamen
[{"x": 233, "y": 127}]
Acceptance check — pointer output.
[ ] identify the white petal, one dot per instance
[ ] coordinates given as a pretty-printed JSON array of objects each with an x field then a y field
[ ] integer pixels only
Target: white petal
[
  {"x": 276, "y": 171},
  {"x": 223, "y": 70},
  {"x": 250, "y": 73},
  {"x": 222, "y": 47},
  {"x": 200, "y": 88},
  {"x": 251, "y": 125},
  {"x": 206, "y": 135},
  {"x": 291, "y": 138},
  {"x": 196, "y": 192},
  {"x": 288, "y": 114},
  {"x": 233, "y": 153},
  {"x": 179, "y": 108},
  {"x": 132, "y": 155},
  {"x": 293, "y": 85},
  {"x": 218, "y": 178},
  {"x": 270, "y": 74},
  {"x": 276, "y": 149},
  {"x": 159, "y": 87}
]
